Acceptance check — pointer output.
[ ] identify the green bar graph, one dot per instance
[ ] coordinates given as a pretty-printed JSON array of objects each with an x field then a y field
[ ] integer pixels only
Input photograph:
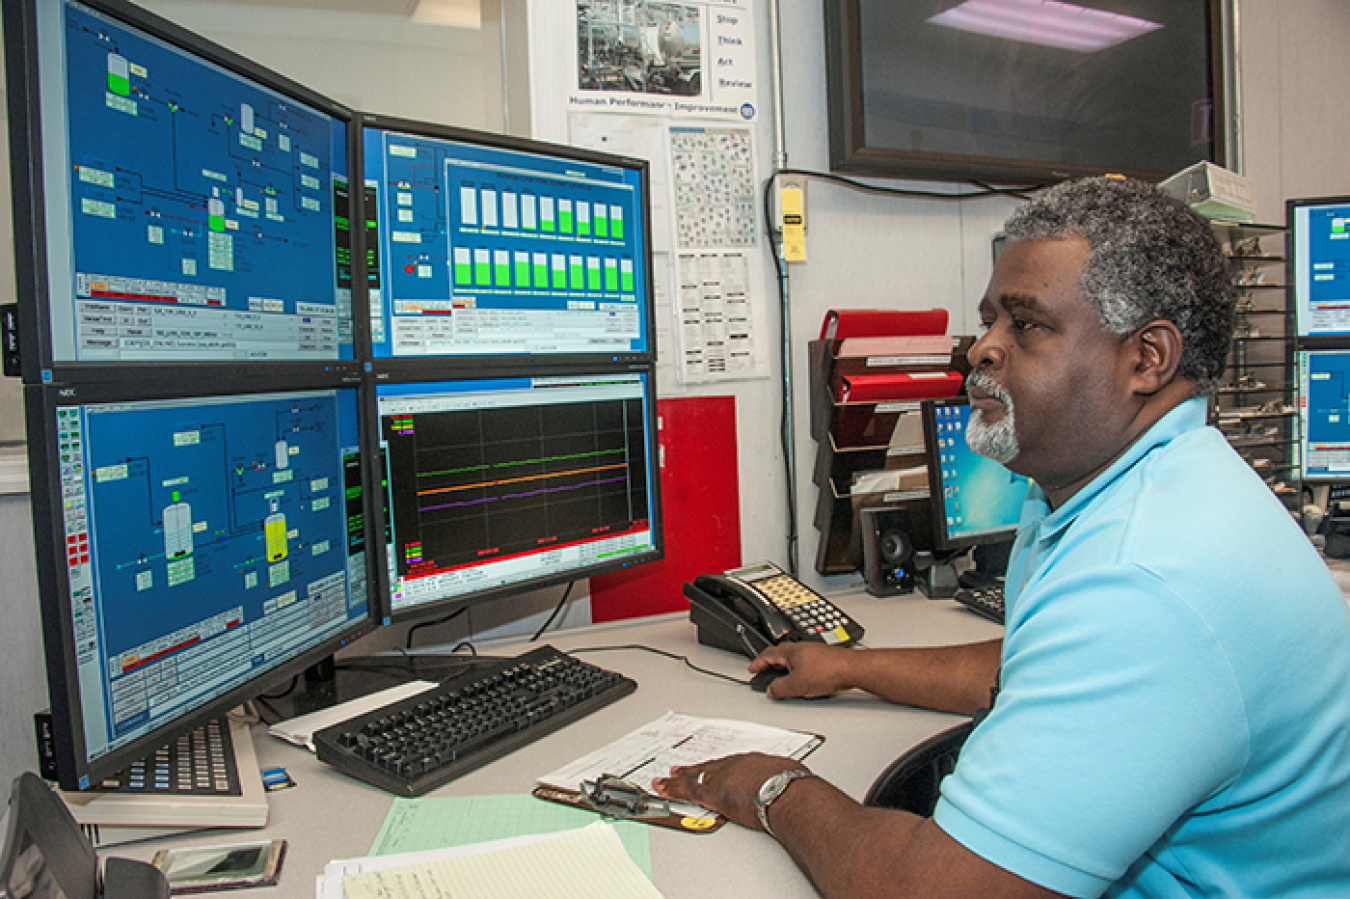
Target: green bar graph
[
  {"x": 576, "y": 274},
  {"x": 592, "y": 274},
  {"x": 611, "y": 275}
]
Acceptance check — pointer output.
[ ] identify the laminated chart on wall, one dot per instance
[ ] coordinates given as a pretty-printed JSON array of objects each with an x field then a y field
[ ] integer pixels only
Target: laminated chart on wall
[
  {"x": 691, "y": 58},
  {"x": 713, "y": 175},
  {"x": 713, "y": 178},
  {"x": 207, "y": 217},
  {"x": 716, "y": 336}
]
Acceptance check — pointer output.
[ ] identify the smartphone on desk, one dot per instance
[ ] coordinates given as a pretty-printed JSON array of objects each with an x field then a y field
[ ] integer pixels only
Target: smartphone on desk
[{"x": 748, "y": 609}]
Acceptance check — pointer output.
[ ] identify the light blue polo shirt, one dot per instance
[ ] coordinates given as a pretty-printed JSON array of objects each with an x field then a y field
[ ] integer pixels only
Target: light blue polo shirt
[{"x": 1174, "y": 717}]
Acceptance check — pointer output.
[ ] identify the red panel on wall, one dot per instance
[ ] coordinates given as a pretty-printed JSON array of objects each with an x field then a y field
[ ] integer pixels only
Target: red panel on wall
[{"x": 700, "y": 506}]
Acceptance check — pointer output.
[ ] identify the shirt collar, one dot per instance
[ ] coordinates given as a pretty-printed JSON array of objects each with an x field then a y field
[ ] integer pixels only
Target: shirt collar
[{"x": 1184, "y": 417}]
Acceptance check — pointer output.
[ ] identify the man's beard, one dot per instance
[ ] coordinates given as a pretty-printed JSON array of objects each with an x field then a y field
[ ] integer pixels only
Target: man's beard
[{"x": 996, "y": 440}]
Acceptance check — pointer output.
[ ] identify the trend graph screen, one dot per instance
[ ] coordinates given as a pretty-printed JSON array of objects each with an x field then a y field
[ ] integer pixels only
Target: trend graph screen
[
  {"x": 1324, "y": 414},
  {"x": 207, "y": 541},
  {"x": 975, "y": 499},
  {"x": 505, "y": 483},
  {"x": 478, "y": 249},
  {"x": 192, "y": 213}
]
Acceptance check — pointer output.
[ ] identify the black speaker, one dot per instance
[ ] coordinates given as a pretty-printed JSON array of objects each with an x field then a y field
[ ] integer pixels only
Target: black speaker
[{"x": 891, "y": 535}]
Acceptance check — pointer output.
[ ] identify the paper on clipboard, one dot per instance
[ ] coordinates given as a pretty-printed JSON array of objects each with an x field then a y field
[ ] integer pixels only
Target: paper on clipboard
[{"x": 674, "y": 740}]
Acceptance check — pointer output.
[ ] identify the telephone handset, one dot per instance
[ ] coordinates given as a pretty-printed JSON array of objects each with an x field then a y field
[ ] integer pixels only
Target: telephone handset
[{"x": 748, "y": 609}]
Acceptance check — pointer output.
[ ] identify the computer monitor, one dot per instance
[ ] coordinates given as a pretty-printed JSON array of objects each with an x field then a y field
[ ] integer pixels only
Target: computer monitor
[
  {"x": 191, "y": 552},
  {"x": 1324, "y": 414},
  {"x": 174, "y": 202},
  {"x": 503, "y": 485},
  {"x": 1318, "y": 265},
  {"x": 975, "y": 500},
  {"x": 490, "y": 248}
]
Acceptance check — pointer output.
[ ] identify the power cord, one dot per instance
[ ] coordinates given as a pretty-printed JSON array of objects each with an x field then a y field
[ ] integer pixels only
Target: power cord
[
  {"x": 556, "y": 609},
  {"x": 448, "y": 618},
  {"x": 661, "y": 652}
]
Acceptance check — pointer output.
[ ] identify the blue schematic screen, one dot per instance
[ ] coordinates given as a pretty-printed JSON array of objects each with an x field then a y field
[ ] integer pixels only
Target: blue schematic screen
[
  {"x": 207, "y": 541},
  {"x": 1324, "y": 414},
  {"x": 980, "y": 498},
  {"x": 193, "y": 214},
  {"x": 477, "y": 249},
  {"x": 1321, "y": 239}
]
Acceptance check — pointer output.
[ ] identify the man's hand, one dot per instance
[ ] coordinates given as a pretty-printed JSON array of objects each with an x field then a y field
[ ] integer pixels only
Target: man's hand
[
  {"x": 814, "y": 669},
  {"x": 727, "y": 785}
]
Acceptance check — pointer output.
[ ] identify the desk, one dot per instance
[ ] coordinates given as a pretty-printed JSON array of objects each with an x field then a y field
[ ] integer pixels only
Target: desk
[{"x": 332, "y": 816}]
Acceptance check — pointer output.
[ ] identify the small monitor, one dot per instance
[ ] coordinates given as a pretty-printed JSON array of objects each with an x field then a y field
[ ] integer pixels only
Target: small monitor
[
  {"x": 1324, "y": 414},
  {"x": 1318, "y": 265},
  {"x": 975, "y": 500},
  {"x": 491, "y": 247},
  {"x": 191, "y": 552},
  {"x": 179, "y": 204},
  {"x": 498, "y": 486}
]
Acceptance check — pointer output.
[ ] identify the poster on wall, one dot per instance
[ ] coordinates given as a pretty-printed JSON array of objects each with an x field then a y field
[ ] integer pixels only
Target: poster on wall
[{"x": 663, "y": 57}]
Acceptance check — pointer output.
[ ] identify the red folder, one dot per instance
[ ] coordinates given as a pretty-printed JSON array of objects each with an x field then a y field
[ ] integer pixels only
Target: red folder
[
  {"x": 919, "y": 385},
  {"x": 841, "y": 323}
]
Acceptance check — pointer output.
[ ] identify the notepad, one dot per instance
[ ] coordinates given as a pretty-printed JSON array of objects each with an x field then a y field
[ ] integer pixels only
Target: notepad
[{"x": 581, "y": 864}]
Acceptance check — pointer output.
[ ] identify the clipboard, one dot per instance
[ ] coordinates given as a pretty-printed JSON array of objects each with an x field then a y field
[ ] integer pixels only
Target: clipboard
[{"x": 650, "y": 751}]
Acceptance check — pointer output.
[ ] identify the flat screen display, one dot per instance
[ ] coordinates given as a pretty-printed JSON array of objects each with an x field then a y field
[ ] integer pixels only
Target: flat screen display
[
  {"x": 974, "y": 499},
  {"x": 193, "y": 212},
  {"x": 497, "y": 485},
  {"x": 1319, "y": 266},
  {"x": 1022, "y": 90},
  {"x": 480, "y": 248},
  {"x": 205, "y": 542},
  {"x": 1324, "y": 414}
]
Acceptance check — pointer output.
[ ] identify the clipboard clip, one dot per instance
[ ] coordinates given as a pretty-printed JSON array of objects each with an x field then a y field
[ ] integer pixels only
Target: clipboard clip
[{"x": 617, "y": 798}]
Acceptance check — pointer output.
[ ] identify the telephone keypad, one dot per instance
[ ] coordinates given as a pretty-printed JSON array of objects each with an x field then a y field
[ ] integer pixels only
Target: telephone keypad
[{"x": 808, "y": 610}]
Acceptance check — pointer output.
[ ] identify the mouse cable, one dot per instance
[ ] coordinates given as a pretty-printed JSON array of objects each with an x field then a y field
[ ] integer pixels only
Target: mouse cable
[{"x": 662, "y": 652}]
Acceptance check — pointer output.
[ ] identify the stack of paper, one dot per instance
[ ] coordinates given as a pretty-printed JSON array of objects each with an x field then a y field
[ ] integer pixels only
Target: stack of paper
[{"x": 589, "y": 863}]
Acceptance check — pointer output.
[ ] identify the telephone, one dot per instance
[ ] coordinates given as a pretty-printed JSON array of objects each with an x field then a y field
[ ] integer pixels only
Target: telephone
[{"x": 748, "y": 609}]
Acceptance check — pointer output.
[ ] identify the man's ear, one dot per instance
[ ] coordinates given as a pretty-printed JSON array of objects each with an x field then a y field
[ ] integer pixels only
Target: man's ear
[{"x": 1158, "y": 347}]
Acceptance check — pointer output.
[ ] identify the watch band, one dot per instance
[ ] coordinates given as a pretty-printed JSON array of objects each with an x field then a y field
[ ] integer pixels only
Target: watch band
[{"x": 770, "y": 790}]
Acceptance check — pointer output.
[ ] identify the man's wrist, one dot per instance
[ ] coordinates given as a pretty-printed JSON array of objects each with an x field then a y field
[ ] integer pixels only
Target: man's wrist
[{"x": 772, "y": 789}]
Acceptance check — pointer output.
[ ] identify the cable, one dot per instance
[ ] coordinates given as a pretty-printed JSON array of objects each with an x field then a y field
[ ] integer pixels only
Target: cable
[
  {"x": 451, "y": 617},
  {"x": 775, "y": 241},
  {"x": 662, "y": 652},
  {"x": 556, "y": 610}
]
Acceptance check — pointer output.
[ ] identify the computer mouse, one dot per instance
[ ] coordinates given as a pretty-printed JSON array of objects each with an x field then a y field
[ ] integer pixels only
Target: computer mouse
[{"x": 760, "y": 682}]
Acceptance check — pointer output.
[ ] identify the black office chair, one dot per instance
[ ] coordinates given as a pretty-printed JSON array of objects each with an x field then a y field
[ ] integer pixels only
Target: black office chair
[{"x": 911, "y": 782}]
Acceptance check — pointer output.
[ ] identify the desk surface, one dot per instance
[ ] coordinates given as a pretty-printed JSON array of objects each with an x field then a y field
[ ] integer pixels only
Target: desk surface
[{"x": 329, "y": 815}]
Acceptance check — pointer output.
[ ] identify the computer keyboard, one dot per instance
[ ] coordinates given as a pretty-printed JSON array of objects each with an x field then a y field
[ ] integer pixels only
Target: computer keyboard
[
  {"x": 985, "y": 601},
  {"x": 416, "y": 744},
  {"x": 199, "y": 763}
]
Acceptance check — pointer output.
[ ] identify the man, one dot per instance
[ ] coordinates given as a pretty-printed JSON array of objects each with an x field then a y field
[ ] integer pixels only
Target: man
[{"x": 1173, "y": 714}]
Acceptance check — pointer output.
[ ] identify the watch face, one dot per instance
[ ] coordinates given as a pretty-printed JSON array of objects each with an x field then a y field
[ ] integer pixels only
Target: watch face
[{"x": 772, "y": 787}]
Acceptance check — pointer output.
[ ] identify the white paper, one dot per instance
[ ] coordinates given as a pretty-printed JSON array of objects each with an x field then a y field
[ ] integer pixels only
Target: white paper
[
  {"x": 589, "y": 863},
  {"x": 713, "y": 317},
  {"x": 300, "y": 729},
  {"x": 675, "y": 740},
  {"x": 693, "y": 58},
  {"x": 328, "y": 885}
]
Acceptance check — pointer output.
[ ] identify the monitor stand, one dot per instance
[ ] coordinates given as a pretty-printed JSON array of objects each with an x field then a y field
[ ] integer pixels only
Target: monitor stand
[
  {"x": 935, "y": 574},
  {"x": 335, "y": 682}
]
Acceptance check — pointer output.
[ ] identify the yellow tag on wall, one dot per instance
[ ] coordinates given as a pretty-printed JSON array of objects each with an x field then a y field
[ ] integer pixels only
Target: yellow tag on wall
[{"x": 793, "y": 203}]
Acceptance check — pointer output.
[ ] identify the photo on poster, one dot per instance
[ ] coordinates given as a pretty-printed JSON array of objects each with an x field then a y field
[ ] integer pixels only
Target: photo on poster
[{"x": 650, "y": 48}]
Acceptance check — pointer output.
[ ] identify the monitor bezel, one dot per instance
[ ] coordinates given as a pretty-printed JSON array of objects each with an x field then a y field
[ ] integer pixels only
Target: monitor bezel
[
  {"x": 75, "y": 770},
  {"x": 942, "y": 540},
  {"x": 449, "y": 605},
  {"x": 27, "y": 177},
  {"x": 409, "y": 367}
]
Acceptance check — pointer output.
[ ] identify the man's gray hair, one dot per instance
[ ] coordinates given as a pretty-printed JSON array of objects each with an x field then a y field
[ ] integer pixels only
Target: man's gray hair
[{"x": 1152, "y": 258}]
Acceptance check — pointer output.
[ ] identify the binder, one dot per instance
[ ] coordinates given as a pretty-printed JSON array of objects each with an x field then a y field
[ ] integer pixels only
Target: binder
[
  {"x": 843, "y": 323},
  {"x": 883, "y": 388}
]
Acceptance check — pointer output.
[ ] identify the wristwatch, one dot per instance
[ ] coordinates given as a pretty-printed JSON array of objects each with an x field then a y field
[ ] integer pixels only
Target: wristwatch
[{"x": 770, "y": 790}]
